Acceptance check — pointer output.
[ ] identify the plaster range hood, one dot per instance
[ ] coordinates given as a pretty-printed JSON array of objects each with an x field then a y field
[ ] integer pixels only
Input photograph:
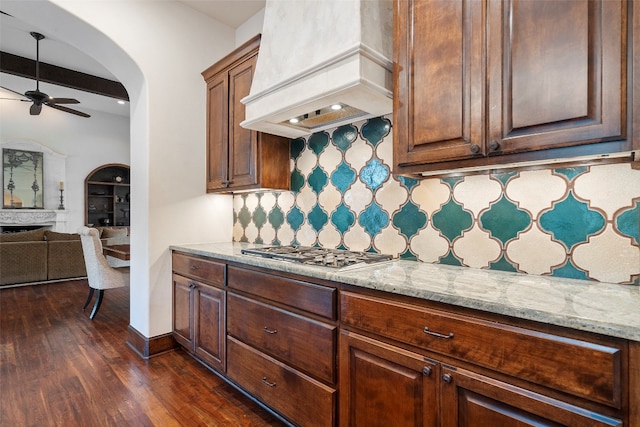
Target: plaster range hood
[{"x": 315, "y": 55}]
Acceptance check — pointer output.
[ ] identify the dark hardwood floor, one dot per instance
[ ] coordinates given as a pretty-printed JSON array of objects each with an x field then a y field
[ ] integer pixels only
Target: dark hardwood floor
[{"x": 58, "y": 368}]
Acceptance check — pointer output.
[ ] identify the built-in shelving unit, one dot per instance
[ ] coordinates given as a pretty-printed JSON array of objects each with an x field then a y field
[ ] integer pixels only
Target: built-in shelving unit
[{"x": 107, "y": 196}]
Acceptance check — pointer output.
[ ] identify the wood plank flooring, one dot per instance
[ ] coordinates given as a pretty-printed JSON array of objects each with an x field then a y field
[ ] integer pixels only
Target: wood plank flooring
[{"x": 58, "y": 368}]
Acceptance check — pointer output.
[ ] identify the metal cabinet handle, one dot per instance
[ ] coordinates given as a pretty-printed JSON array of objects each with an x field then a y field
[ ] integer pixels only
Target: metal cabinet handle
[
  {"x": 193, "y": 267},
  {"x": 494, "y": 145},
  {"x": 270, "y": 331},
  {"x": 426, "y": 371},
  {"x": 192, "y": 284},
  {"x": 447, "y": 378},
  {"x": 436, "y": 334},
  {"x": 475, "y": 148},
  {"x": 265, "y": 381}
]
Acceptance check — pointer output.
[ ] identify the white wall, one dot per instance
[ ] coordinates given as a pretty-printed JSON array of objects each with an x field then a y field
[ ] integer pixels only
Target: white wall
[
  {"x": 157, "y": 50},
  {"x": 84, "y": 143},
  {"x": 250, "y": 28}
]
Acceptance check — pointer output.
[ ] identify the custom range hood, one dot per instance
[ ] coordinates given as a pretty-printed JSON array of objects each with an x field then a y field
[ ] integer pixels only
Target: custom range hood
[{"x": 322, "y": 63}]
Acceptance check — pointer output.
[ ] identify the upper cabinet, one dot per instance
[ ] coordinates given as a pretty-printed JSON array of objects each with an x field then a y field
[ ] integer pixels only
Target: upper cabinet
[
  {"x": 491, "y": 82},
  {"x": 238, "y": 158}
]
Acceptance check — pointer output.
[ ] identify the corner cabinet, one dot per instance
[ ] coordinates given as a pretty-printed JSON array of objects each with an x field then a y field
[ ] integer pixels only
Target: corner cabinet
[
  {"x": 238, "y": 158},
  {"x": 482, "y": 83},
  {"x": 107, "y": 196}
]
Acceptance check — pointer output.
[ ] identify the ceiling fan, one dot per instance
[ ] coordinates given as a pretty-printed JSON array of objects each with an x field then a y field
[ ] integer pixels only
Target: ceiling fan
[{"x": 37, "y": 98}]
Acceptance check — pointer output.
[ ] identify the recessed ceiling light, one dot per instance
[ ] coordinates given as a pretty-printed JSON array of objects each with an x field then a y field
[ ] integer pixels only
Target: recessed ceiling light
[
  {"x": 336, "y": 107},
  {"x": 121, "y": 102},
  {"x": 294, "y": 120}
]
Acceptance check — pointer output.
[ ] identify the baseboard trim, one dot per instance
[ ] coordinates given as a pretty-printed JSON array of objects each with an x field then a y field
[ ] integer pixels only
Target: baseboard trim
[{"x": 149, "y": 347}]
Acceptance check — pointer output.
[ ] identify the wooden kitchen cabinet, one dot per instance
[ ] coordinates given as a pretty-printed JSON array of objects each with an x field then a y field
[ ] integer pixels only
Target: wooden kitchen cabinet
[
  {"x": 474, "y": 400},
  {"x": 238, "y": 158},
  {"x": 490, "y": 82},
  {"x": 199, "y": 320},
  {"x": 382, "y": 385},
  {"x": 282, "y": 336},
  {"x": 319, "y": 353},
  {"x": 431, "y": 367}
]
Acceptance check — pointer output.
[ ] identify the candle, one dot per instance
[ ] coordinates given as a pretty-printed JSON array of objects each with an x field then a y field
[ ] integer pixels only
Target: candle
[{"x": 61, "y": 185}]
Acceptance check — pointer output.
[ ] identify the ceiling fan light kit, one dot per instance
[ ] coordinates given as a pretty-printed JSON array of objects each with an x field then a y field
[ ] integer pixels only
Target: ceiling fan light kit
[{"x": 38, "y": 98}]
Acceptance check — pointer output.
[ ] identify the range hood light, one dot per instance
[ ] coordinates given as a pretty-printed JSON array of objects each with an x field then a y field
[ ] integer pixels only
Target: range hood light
[{"x": 331, "y": 115}]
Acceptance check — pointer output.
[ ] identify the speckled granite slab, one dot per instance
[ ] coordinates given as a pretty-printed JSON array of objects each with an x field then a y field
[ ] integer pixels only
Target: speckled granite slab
[{"x": 604, "y": 308}]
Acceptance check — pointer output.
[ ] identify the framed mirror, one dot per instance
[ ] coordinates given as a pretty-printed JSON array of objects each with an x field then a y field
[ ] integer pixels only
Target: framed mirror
[{"x": 22, "y": 179}]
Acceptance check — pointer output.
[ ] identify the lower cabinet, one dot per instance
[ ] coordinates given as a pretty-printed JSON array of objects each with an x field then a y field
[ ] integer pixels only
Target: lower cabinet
[
  {"x": 327, "y": 354},
  {"x": 382, "y": 385},
  {"x": 381, "y": 381},
  {"x": 282, "y": 344},
  {"x": 471, "y": 399},
  {"x": 199, "y": 320},
  {"x": 274, "y": 337}
]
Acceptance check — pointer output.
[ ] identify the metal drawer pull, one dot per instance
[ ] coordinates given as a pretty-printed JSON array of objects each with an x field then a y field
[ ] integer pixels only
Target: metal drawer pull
[
  {"x": 270, "y": 331},
  {"x": 193, "y": 267},
  {"x": 264, "y": 380},
  {"x": 435, "y": 334}
]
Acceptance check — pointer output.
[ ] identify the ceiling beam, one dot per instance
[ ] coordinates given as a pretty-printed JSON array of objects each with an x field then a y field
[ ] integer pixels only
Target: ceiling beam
[{"x": 25, "y": 67}]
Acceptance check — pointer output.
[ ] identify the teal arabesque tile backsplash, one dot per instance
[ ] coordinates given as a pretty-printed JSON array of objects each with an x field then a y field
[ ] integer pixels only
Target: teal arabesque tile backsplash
[{"x": 578, "y": 222}]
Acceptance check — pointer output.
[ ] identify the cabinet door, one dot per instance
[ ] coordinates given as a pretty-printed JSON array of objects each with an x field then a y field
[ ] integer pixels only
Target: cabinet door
[
  {"x": 217, "y": 132},
  {"x": 209, "y": 326},
  {"x": 472, "y": 400},
  {"x": 438, "y": 98},
  {"x": 556, "y": 73},
  {"x": 243, "y": 143},
  {"x": 381, "y": 385},
  {"x": 182, "y": 314}
]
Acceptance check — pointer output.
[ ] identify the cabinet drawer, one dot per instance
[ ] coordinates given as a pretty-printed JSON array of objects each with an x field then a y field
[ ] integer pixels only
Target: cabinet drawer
[
  {"x": 316, "y": 299},
  {"x": 304, "y": 343},
  {"x": 301, "y": 399},
  {"x": 586, "y": 369},
  {"x": 198, "y": 268}
]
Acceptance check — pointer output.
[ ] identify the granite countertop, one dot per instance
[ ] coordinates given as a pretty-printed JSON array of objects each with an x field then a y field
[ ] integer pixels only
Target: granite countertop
[{"x": 604, "y": 308}]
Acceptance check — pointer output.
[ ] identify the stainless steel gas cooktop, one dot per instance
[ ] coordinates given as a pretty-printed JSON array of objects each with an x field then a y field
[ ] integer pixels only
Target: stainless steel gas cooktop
[{"x": 336, "y": 258}]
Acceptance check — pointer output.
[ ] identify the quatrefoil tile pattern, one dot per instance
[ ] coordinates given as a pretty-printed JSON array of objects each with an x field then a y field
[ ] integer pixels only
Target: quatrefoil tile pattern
[{"x": 577, "y": 222}]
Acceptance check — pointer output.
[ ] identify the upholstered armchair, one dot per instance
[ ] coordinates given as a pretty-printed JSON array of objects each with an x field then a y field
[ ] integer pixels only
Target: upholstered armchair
[{"x": 100, "y": 274}]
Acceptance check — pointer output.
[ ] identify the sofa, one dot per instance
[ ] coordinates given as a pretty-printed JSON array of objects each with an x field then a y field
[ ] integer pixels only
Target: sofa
[{"x": 44, "y": 255}]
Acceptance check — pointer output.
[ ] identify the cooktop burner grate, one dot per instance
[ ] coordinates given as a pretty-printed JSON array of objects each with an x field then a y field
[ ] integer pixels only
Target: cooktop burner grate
[{"x": 336, "y": 258}]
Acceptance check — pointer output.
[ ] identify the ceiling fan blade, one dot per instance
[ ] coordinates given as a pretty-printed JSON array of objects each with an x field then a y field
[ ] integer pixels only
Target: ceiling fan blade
[
  {"x": 11, "y": 90},
  {"x": 16, "y": 99},
  {"x": 62, "y": 101},
  {"x": 35, "y": 109},
  {"x": 68, "y": 110}
]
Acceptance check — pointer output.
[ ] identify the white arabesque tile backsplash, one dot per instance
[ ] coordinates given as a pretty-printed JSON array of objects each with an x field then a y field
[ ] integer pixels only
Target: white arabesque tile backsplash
[{"x": 577, "y": 222}]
